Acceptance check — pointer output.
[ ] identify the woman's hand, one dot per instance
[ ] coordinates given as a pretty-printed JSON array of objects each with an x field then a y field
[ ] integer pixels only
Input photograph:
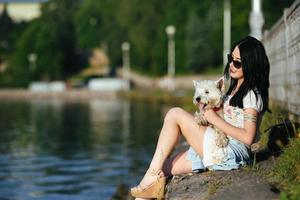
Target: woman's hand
[{"x": 210, "y": 115}]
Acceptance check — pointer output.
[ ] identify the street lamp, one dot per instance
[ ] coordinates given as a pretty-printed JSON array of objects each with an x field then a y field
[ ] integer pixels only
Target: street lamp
[
  {"x": 32, "y": 57},
  {"x": 256, "y": 20},
  {"x": 126, "y": 62},
  {"x": 170, "y": 30},
  {"x": 226, "y": 30}
]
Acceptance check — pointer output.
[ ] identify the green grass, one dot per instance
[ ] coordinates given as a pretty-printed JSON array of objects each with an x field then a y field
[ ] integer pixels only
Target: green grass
[{"x": 286, "y": 172}]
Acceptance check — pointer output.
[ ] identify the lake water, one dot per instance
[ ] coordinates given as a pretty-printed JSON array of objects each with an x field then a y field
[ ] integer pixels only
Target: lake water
[{"x": 74, "y": 150}]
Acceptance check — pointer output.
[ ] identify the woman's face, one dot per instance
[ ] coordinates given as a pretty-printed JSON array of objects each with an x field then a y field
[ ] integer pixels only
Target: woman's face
[{"x": 236, "y": 73}]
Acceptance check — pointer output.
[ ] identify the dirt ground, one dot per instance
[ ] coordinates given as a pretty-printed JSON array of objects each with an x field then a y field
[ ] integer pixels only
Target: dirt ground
[{"x": 244, "y": 183}]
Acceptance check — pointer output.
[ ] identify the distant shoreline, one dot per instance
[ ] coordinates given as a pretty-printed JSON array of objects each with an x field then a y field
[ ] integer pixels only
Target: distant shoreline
[{"x": 73, "y": 94}]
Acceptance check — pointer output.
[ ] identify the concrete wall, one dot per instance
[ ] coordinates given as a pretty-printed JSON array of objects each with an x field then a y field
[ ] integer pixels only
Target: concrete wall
[{"x": 282, "y": 43}]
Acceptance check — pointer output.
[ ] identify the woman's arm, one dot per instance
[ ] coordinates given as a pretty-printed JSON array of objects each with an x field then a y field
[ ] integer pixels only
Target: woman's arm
[{"x": 245, "y": 135}]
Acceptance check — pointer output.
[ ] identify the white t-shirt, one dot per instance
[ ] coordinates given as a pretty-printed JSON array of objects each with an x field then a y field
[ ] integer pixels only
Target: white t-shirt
[{"x": 235, "y": 115}]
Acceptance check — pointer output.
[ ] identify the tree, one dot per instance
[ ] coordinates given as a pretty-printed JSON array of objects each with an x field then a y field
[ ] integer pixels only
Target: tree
[
  {"x": 273, "y": 10},
  {"x": 6, "y": 28},
  {"x": 39, "y": 39},
  {"x": 96, "y": 26},
  {"x": 204, "y": 38},
  {"x": 51, "y": 39},
  {"x": 240, "y": 11},
  {"x": 68, "y": 29},
  {"x": 62, "y": 12}
]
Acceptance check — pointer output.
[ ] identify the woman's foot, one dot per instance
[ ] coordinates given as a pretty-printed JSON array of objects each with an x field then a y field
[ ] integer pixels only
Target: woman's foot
[
  {"x": 151, "y": 186},
  {"x": 150, "y": 177}
]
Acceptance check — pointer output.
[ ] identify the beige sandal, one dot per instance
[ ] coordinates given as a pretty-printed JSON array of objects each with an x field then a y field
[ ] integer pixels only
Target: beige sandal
[{"x": 154, "y": 190}]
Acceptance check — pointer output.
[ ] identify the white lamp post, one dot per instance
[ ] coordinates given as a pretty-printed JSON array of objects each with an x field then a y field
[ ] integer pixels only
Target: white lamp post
[
  {"x": 32, "y": 57},
  {"x": 256, "y": 20},
  {"x": 126, "y": 62},
  {"x": 170, "y": 30},
  {"x": 226, "y": 30}
]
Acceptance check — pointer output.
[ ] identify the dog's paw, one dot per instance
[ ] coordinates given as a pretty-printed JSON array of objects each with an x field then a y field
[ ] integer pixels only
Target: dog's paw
[
  {"x": 204, "y": 123},
  {"x": 222, "y": 140},
  {"x": 199, "y": 119}
]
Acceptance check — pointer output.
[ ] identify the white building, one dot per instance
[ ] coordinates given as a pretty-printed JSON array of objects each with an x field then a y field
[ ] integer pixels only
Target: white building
[{"x": 22, "y": 10}]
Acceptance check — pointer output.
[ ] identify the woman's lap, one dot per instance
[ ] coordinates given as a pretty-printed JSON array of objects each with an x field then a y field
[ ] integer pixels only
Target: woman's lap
[
  {"x": 198, "y": 155},
  {"x": 231, "y": 157}
]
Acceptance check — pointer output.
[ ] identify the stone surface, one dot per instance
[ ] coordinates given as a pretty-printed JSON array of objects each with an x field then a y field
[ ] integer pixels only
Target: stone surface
[{"x": 244, "y": 183}]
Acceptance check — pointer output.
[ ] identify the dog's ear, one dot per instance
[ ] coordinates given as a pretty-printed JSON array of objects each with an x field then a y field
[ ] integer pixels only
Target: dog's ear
[
  {"x": 195, "y": 83},
  {"x": 220, "y": 84}
]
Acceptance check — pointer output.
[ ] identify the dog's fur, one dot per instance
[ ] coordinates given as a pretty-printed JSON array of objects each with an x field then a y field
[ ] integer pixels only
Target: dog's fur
[{"x": 208, "y": 95}]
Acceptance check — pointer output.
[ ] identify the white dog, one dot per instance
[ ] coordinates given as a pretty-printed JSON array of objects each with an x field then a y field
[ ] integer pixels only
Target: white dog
[{"x": 208, "y": 95}]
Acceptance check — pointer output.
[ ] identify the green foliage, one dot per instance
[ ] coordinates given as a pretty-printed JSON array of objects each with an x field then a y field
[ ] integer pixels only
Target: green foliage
[
  {"x": 240, "y": 12},
  {"x": 90, "y": 22},
  {"x": 51, "y": 39},
  {"x": 67, "y": 30},
  {"x": 206, "y": 50},
  {"x": 276, "y": 6},
  {"x": 6, "y": 27},
  {"x": 40, "y": 39},
  {"x": 146, "y": 34},
  {"x": 97, "y": 26},
  {"x": 286, "y": 172}
]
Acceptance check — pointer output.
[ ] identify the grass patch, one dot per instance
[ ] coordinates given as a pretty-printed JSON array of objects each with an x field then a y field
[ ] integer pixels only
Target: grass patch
[
  {"x": 214, "y": 186},
  {"x": 286, "y": 172}
]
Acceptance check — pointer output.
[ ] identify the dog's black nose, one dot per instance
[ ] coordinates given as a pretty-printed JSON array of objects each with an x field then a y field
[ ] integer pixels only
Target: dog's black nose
[{"x": 198, "y": 99}]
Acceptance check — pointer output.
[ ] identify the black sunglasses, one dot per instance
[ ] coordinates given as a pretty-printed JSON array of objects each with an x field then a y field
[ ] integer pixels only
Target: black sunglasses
[{"x": 236, "y": 64}]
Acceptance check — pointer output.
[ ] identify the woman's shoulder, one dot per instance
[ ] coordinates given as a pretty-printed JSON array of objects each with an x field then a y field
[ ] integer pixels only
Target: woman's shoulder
[{"x": 253, "y": 100}]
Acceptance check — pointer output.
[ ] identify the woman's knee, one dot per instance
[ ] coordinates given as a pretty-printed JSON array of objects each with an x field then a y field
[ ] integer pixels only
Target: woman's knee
[{"x": 173, "y": 113}]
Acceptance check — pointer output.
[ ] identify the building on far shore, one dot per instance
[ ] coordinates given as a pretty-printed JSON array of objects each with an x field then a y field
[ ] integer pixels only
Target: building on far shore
[{"x": 22, "y": 10}]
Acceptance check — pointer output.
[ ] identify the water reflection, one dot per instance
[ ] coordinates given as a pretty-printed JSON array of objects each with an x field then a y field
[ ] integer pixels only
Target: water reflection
[{"x": 79, "y": 150}]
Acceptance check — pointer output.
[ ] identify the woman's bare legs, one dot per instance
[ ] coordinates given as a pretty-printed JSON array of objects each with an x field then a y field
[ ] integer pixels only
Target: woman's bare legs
[
  {"x": 174, "y": 166},
  {"x": 178, "y": 164},
  {"x": 177, "y": 122}
]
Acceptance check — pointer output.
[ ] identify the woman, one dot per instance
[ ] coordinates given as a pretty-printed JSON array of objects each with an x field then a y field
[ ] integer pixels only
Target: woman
[{"x": 244, "y": 104}]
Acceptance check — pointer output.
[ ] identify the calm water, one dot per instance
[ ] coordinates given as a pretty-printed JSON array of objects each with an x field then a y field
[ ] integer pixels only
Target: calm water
[{"x": 59, "y": 150}]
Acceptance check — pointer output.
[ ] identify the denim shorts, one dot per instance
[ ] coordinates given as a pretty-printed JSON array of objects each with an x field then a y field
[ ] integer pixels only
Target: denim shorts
[{"x": 234, "y": 155}]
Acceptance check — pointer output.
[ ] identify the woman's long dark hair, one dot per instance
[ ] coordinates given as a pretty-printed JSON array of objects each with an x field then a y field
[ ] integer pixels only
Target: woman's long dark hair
[{"x": 256, "y": 69}]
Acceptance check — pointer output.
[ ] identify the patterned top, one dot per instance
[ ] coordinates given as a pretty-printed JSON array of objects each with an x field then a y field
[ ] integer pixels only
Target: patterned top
[
  {"x": 236, "y": 153},
  {"x": 235, "y": 115}
]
